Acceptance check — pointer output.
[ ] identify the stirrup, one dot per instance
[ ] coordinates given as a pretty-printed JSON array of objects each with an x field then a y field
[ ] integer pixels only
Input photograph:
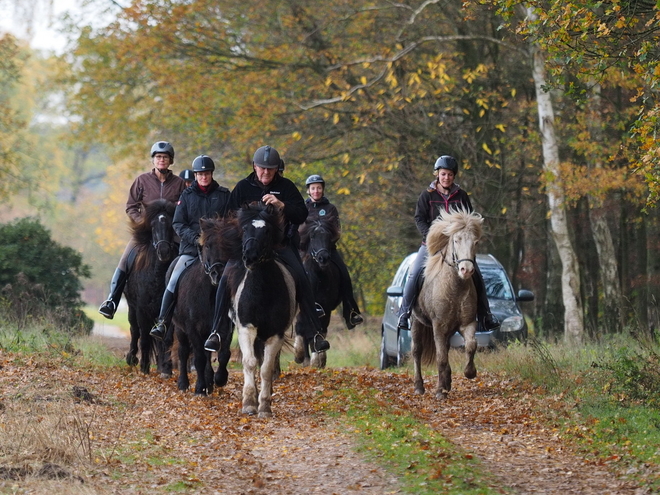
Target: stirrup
[
  {"x": 355, "y": 318},
  {"x": 319, "y": 344},
  {"x": 108, "y": 309},
  {"x": 158, "y": 331},
  {"x": 320, "y": 312},
  {"x": 212, "y": 344},
  {"x": 404, "y": 322}
]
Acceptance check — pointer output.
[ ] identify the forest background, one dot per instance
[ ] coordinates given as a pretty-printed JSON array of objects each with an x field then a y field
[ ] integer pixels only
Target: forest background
[{"x": 550, "y": 107}]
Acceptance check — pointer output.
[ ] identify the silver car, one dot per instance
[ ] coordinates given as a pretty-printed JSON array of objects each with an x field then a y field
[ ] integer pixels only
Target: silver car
[{"x": 395, "y": 345}]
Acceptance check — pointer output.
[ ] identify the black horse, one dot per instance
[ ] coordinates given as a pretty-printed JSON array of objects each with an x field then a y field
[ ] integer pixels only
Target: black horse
[
  {"x": 193, "y": 314},
  {"x": 318, "y": 239},
  {"x": 155, "y": 248},
  {"x": 263, "y": 295}
]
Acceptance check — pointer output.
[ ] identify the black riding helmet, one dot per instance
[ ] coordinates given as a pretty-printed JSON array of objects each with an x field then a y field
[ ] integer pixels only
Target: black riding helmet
[
  {"x": 314, "y": 179},
  {"x": 203, "y": 163},
  {"x": 447, "y": 162},
  {"x": 187, "y": 175},
  {"x": 163, "y": 147},
  {"x": 267, "y": 157}
]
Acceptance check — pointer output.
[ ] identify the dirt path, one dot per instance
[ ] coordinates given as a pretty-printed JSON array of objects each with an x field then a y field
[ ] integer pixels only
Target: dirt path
[{"x": 151, "y": 436}]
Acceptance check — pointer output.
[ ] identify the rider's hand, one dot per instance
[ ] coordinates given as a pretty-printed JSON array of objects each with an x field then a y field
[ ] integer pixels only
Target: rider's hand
[{"x": 270, "y": 199}]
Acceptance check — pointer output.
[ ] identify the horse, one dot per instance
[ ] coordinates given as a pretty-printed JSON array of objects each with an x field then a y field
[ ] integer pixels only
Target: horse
[
  {"x": 317, "y": 240},
  {"x": 263, "y": 297},
  {"x": 155, "y": 248},
  {"x": 448, "y": 299},
  {"x": 193, "y": 314}
]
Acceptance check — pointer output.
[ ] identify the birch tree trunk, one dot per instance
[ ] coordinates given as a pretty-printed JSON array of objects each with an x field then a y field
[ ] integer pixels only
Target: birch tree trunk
[
  {"x": 609, "y": 270},
  {"x": 570, "y": 279}
]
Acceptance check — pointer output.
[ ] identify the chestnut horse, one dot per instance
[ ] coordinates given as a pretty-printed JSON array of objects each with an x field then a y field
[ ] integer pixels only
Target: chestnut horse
[{"x": 448, "y": 299}]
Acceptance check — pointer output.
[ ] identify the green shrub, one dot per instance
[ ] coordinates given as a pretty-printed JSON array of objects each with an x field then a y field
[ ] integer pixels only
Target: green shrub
[{"x": 40, "y": 279}]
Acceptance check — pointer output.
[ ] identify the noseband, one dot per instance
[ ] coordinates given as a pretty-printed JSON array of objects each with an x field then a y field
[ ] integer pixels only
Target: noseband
[
  {"x": 208, "y": 267},
  {"x": 262, "y": 255},
  {"x": 454, "y": 261}
]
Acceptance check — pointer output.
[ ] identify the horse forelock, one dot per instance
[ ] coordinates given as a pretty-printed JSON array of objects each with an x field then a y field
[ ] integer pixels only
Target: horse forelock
[
  {"x": 324, "y": 223},
  {"x": 258, "y": 212},
  {"x": 448, "y": 224},
  {"x": 224, "y": 235}
]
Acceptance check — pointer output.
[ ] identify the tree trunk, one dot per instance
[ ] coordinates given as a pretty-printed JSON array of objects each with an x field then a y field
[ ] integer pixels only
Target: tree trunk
[
  {"x": 570, "y": 279},
  {"x": 609, "y": 270}
]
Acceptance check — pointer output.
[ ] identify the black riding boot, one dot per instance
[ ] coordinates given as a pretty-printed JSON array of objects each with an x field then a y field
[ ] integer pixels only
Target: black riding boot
[
  {"x": 220, "y": 316},
  {"x": 486, "y": 318},
  {"x": 109, "y": 307},
  {"x": 165, "y": 317},
  {"x": 411, "y": 290}
]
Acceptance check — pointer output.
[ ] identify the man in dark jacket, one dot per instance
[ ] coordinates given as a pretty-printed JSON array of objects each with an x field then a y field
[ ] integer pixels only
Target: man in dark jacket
[
  {"x": 267, "y": 185},
  {"x": 204, "y": 198},
  {"x": 159, "y": 183}
]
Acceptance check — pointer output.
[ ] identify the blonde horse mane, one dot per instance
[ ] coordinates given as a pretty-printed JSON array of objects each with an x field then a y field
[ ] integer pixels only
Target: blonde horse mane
[{"x": 446, "y": 225}]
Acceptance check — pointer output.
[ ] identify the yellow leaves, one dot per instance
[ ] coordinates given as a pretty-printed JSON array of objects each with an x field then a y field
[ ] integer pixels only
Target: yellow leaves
[
  {"x": 297, "y": 136},
  {"x": 485, "y": 147},
  {"x": 500, "y": 127},
  {"x": 345, "y": 191},
  {"x": 335, "y": 118},
  {"x": 363, "y": 81}
]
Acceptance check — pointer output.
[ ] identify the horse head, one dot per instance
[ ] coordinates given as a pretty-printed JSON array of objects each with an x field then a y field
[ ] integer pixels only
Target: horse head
[
  {"x": 262, "y": 227},
  {"x": 455, "y": 235},
  {"x": 318, "y": 239},
  {"x": 155, "y": 228},
  {"x": 219, "y": 241}
]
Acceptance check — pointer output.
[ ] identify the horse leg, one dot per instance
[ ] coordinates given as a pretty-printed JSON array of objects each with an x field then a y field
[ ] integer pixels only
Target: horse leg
[
  {"x": 200, "y": 359},
  {"x": 131, "y": 355},
  {"x": 184, "y": 352},
  {"x": 246, "y": 338},
  {"x": 164, "y": 357},
  {"x": 470, "y": 349},
  {"x": 224, "y": 354},
  {"x": 271, "y": 354},
  {"x": 441, "y": 336},
  {"x": 416, "y": 352}
]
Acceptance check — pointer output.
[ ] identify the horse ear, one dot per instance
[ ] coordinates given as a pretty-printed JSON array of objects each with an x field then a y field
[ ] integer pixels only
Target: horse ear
[{"x": 204, "y": 223}]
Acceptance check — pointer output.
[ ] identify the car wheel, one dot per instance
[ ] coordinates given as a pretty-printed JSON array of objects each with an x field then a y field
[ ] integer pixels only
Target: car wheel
[
  {"x": 384, "y": 358},
  {"x": 401, "y": 356}
]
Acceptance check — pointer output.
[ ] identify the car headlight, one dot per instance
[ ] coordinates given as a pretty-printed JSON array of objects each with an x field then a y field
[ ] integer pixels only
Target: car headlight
[{"x": 512, "y": 324}]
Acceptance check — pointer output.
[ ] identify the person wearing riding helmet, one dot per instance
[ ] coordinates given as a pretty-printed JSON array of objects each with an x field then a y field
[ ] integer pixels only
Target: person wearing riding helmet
[
  {"x": 443, "y": 194},
  {"x": 204, "y": 198},
  {"x": 266, "y": 184},
  {"x": 319, "y": 206},
  {"x": 188, "y": 176},
  {"x": 159, "y": 183}
]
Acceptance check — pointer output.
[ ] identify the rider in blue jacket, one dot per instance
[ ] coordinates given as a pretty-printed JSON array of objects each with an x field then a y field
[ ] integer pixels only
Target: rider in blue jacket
[{"x": 443, "y": 194}]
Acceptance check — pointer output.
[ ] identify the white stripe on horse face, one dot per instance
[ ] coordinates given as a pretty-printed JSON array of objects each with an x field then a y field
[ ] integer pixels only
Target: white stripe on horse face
[{"x": 258, "y": 224}]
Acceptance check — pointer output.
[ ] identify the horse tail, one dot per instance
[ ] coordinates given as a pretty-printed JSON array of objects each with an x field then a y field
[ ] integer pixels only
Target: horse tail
[{"x": 428, "y": 347}]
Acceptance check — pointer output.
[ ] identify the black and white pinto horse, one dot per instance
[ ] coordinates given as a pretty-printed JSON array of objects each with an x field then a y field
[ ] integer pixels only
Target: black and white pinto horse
[
  {"x": 154, "y": 239},
  {"x": 318, "y": 238},
  {"x": 193, "y": 314},
  {"x": 263, "y": 297},
  {"x": 448, "y": 298}
]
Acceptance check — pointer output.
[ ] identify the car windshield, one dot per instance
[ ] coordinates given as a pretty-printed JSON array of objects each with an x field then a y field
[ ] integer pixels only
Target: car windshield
[{"x": 497, "y": 283}]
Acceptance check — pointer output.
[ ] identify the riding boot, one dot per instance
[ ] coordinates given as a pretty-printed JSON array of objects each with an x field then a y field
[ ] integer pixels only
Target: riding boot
[
  {"x": 487, "y": 320},
  {"x": 109, "y": 307},
  {"x": 411, "y": 290},
  {"x": 165, "y": 317}
]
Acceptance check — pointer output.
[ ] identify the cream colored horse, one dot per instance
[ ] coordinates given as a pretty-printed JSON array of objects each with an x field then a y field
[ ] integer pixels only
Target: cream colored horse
[{"x": 448, "y": 299}]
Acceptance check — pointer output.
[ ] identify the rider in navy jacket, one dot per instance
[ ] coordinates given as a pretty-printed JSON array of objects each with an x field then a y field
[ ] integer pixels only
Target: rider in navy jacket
[
  {"x": 267, "y": 185},
  {"x": 205, "y": 198}
]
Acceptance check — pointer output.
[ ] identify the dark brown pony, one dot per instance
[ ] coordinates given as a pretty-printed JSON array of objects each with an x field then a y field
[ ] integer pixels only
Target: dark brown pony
[
  {"x": 154, "y": 239},
  {"x": 318, "y": 238},
  {"x": 448, "y": 299}
]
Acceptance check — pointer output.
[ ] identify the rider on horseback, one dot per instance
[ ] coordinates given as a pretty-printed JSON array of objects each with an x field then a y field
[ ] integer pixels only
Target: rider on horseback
[
  {"x": 204, "y": 198},
  {"x": 319, "y": 206},
  {"x": 266, "y": 184},
  {"x": 159, "y": 183},
  {"x": 443, "y": 194}
]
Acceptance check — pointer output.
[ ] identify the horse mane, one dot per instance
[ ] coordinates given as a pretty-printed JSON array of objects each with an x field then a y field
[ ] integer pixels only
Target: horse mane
[
  {"x": 447, "y": 224},
  {"x": 328, "y": 222},
  {"x": 268, "y": 213},
  {"x": 228, "y": 233},
  {"x": 141, "y": 231}
]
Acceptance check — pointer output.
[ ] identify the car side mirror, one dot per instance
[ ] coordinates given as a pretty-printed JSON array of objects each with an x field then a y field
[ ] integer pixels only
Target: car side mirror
[
  {"x": 395, "y": 291},
  {"x": 525, "y": 295}
]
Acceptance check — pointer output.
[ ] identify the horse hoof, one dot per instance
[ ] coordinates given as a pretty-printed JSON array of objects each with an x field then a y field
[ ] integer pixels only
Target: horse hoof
[
  {"x": 470, "y": 374},
  {"x": 132, "y": 360},
  {"x": 250, "y": 410},
  {"x": 441, "y": 395},
  {"x": 165, "y": 376},
  {"x": 419, "y": 391},
  {"x": 265, "y": 414},
  {"x": 221, "y": 378}
]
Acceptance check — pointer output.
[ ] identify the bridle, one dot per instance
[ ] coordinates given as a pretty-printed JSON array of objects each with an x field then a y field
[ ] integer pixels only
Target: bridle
[
  {"x": 208, "y": 267},
  {"x": 454, "y": 259}
]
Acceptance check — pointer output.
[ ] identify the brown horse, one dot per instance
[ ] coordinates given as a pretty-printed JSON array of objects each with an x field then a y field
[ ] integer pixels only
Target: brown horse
[{"x": 448, "y": 299}]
